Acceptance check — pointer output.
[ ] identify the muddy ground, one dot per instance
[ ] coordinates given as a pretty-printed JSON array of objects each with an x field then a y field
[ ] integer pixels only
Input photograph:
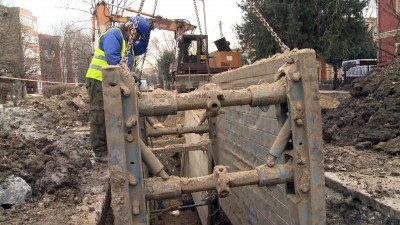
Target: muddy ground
[{"x": 54, "y": 161}]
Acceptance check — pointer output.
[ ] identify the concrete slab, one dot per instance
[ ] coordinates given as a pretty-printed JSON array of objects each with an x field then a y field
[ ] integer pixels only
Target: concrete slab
[{"x": 379, "y": 191}]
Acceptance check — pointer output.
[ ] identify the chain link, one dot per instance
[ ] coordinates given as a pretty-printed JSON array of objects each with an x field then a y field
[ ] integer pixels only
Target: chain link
[
  {"x": 145, "y": 53},
  {"x": 203, "y": 45},
  {"x": 284, "y": 47},
  {"x": 155, "y": 7},
  {"x": 131, "y": 37}
]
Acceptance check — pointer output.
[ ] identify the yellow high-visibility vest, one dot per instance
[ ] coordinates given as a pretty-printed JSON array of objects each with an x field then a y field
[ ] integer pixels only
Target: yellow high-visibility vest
[{"x": 99, "y": 59}]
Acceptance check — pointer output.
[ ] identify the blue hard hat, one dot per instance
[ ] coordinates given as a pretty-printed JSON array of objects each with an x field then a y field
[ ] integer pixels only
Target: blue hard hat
[{"x": 143, "y": 26}]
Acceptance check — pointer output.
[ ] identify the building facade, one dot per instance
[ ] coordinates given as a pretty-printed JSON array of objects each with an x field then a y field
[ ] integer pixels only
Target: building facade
[
  {"x": 388, "y": 29},
  {"x": 50, "y": 59},
  {"x": 30, "y": 47},
  {"x": 20, "y": 47}
]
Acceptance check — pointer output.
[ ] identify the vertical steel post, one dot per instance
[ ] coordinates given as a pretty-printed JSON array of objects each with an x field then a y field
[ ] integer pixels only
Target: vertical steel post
[
  {"x": 123, "y": 136},
  {"x": 308, "y": 199}
]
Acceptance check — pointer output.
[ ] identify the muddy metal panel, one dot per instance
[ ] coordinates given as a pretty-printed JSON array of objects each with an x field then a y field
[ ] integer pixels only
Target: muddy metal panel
[
  {"x": 242, "y": 137},
  {"x": 197, "y": 162}
]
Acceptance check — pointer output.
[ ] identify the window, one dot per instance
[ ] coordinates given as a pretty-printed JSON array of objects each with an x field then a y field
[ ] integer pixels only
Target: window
[
  {"x": 397, "y": 6},
  {"x": 26, "y": 21}
]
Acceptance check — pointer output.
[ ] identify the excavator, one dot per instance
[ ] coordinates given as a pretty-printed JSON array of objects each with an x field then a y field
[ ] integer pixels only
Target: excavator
[{"x": 189, "y": 69}]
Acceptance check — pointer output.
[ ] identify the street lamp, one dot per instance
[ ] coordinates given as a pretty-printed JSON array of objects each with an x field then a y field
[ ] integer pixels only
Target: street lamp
[{"x": 204, "y": 11}]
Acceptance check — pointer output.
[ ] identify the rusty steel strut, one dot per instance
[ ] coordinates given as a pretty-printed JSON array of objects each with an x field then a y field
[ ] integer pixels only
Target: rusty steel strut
[
  {"x": 220, "y": 179},
  {"x": 169, "y": 103}
]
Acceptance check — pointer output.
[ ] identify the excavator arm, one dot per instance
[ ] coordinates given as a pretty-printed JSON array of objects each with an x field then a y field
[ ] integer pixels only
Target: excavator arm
[{"x": 103, "y": 19}]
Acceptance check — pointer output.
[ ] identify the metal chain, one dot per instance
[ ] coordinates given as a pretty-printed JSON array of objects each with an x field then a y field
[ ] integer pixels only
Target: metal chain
[
  {"x": 154, "y": 8},
  {"x": 203, "y": 45},
  {"x": 145, "y": 53},
  {"x": 131, "y": 37},
  {"x": 269, "y": 28},
  {"x": 198, "y": 21}
]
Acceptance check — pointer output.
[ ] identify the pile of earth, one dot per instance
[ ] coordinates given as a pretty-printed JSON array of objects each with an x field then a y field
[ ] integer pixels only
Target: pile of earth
[
  {"x": 369, "y": 118},
  {"x": 47, "y": 156},
  {"x": 69, "y": 109}
]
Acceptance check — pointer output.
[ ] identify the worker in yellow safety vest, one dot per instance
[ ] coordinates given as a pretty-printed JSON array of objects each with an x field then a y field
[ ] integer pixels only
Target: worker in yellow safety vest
[{"x": 110, "y": 50}]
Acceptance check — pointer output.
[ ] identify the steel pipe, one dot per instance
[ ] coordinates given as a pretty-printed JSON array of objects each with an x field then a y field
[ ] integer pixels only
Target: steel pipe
[
  {"x": 178, "y": 131},
  {"x": 203, "y": 118},
  {"x": 182, "y": 148},
  {"x": 151, "y": 161},
  {"x": 156, "y": 188},
  {"x": 280, "y": 143},
  {"x": 162, "y": 102}
]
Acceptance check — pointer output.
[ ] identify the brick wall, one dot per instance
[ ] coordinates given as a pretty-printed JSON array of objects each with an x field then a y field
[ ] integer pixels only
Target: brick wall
[
  {"x": 50, "y": 58},
  {"x": 388, "y": 25}
]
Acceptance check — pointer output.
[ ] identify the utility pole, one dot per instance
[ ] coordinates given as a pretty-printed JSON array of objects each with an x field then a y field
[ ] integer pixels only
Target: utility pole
[
  {"x": 220, "y": 29},
  {"x": 204, "y": 12}
]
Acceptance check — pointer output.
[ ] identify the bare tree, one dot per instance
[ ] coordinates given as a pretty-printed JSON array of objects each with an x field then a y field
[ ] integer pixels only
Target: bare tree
[
  {"x": 160, "y": 54},
  {"x": 30, "y": 49},
  {"x": 76, "y": 51},
  {"x": 10, "y": 44}
]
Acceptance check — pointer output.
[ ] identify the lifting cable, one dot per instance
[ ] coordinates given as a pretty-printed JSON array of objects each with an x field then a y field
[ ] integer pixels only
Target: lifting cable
[
  {"x": 145, "y": 53},
  {"x": 124, "y": 60},
  {"x": 203, "y": 45},
  {"x": 285, "y": 49}
]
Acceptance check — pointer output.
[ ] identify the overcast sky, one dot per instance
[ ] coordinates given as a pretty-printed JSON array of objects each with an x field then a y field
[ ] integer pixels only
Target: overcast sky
[{"x": 52, "y": 12}]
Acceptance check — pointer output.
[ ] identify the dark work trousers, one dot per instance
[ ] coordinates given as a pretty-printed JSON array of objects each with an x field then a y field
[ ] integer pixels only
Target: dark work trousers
[{"x": 98, "y": 138}]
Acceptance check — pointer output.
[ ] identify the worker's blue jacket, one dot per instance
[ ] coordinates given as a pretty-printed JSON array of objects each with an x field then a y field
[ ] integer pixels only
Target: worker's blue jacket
[{"x": 111, "y": 44}]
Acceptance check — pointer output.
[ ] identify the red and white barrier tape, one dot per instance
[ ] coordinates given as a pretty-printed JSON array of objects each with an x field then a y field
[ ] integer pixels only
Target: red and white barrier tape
[{"x": 50, "y": 82}]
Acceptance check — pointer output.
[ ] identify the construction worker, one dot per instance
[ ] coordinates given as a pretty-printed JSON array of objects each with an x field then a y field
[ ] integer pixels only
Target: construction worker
[{"x": 109, "y": 51}]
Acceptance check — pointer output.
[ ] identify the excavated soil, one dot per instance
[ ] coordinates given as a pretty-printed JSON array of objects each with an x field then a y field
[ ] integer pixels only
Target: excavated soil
[
  {"x": 36, "y": 144},
  {"x": 362, "y": 146},
  {"x": 70, "y": 109},
  {"x": 369, "y": 118}
]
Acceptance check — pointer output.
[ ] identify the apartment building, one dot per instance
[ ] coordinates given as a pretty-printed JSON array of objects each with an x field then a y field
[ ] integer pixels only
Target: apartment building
[
  {"x": 388, "y": 29},
  {"x": 30, "y": 47}
]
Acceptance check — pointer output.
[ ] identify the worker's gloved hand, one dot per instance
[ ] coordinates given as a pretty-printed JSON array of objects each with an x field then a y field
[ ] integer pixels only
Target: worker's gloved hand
[
  {"x": 137, "y": 79},
  {"x": 151, "y": 25}
]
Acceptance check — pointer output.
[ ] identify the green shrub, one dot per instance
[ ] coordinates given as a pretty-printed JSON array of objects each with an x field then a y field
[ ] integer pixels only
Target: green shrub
[{"x": 58, "y": 89}]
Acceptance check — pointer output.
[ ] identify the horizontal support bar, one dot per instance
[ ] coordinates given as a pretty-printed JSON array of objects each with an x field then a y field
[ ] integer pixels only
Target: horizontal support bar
[
  {"x": 161, "y": 102},
  {"x": 178, "y": 131},
  {"x": 156, "y": 188},
  {"x": 203, "y": 145}
]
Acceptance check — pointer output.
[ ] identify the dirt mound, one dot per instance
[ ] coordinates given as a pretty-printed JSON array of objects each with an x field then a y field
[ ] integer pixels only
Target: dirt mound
[
  {"x": 36, "y": 145},
  {"x": 370, "y": 117},
  {"x": 328, "y": 102},
  {"x": 69, "y": 109},
  {"x": 48, "y": 157}
]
